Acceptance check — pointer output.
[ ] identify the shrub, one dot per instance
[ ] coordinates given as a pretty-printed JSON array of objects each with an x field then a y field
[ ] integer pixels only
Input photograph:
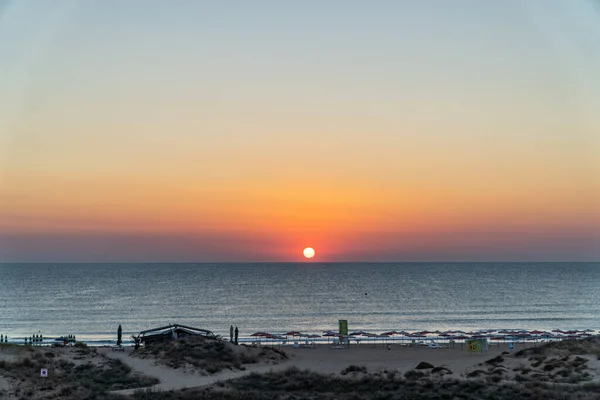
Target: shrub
[
  {"x": 536, "y": 363},
  {"x": 495, "y": 360},
  {"x": 423, "y": 365},
  {"x": 413, "y": 374},
  {"x": 476, "y": 373},
  {"x": 441, "y": 370},
  {"x": 549, "y": 367},
  {"x": 521, "y": 378},
  {"x": 354, "y": 368}
]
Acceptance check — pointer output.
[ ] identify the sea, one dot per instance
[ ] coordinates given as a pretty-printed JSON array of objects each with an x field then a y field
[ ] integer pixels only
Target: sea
[{"x": 92, "y": 300}]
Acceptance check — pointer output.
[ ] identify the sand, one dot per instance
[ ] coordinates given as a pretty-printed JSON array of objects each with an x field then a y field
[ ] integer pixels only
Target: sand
[
  {"x": 323, "y": 359},
  {"x": 173, "y": 379},
  {"x": 4, "y": 384},
  {"x": 401, "y": 358}
]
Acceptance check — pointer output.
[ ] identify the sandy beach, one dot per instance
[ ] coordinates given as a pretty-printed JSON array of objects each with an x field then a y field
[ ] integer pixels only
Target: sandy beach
[
  {"x": 322, "y": 359},
  {"x": 458, "y": 364}
]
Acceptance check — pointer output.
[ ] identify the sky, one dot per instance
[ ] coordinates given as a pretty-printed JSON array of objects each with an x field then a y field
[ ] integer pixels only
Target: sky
[{"x": 157, "y": 131}]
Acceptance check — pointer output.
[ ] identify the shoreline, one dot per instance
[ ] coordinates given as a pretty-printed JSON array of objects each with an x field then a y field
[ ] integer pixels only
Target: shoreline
[{"x": 331, "y": 337}]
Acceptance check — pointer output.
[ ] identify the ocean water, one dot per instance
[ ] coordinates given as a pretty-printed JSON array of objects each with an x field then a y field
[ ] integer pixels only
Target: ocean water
[{"x": 91, "y": 300}]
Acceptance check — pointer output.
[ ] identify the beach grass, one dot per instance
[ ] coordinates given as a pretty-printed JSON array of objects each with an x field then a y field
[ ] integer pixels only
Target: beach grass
[
  {"x": 208, "y": 355},
  {"x": 295, "y": 383},
  {"x": 69, "y": 378}
]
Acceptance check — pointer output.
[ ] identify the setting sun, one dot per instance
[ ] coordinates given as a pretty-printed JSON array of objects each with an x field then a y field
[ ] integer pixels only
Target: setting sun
[{"x": 309, "y": 252}]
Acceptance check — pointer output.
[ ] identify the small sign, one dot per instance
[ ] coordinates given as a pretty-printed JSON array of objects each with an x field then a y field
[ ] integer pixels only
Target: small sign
[
  {"x": 476, "y": 345},
  {"x": 44, "y": 373}
]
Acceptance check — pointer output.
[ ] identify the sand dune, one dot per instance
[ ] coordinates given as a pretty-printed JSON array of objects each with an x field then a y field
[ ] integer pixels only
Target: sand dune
[
  {"x": 173, "y": 379},
  {"x": 565, "y": 363},
  {"x": 322, "y": 359}
]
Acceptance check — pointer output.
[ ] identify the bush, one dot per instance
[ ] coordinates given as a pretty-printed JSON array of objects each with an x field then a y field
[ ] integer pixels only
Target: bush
[
  {"x": 424, "y": 365},
  {"x": 521, "y": 378},
  {"x": 443, "y": 370},
  {"x": 476, "y": 373},
  {"x": 413, "y": 374},
  {"x": 495, "y": 360},
  {"x": 354, "y": 368}
]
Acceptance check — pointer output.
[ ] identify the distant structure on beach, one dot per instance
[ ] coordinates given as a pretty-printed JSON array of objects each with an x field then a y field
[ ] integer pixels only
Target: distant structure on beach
[{"x": 172, "y": 331}]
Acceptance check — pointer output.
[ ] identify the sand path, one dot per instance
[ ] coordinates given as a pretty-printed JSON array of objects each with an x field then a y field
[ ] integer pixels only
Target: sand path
[
  {"x": 173, "y": 379},
  {"x": 4, "y": 384}
]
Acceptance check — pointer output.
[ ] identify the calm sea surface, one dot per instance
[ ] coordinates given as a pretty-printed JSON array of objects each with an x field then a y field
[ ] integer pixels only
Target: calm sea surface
[{"x": 91, "y": 300}]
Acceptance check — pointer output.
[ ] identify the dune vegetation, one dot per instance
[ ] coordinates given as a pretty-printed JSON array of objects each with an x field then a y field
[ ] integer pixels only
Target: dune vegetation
[
  {"x": 73, "y": 374},
  {"x": 303, "y": 384},
  {"x": 208, "y": 355}
]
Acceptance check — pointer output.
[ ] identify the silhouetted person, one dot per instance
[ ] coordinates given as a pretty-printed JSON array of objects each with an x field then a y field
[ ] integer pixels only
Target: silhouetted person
[
  {"x": 236, "y": 335},
  {"x": 231, "y": 333}
]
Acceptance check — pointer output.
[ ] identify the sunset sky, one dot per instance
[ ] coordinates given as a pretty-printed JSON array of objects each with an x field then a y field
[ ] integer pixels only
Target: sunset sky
[{"x": 247, "y": 130}]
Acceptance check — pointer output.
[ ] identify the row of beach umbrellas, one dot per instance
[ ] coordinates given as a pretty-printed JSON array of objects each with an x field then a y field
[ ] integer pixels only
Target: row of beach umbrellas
[{"x": 448, "y": 335}]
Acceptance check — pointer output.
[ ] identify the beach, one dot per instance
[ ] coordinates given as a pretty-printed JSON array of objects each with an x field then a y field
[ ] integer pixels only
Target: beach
[
  {"x": 572, "y": 365},
  {"x": 323, "y": 359}
]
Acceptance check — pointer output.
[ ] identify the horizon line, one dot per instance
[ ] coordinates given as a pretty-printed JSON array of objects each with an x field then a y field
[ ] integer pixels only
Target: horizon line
[{"x": 294, "y": 262}]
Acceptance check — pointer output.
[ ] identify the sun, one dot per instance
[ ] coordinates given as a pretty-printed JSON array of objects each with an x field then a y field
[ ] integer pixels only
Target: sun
[{"x": 309, "y": 252}]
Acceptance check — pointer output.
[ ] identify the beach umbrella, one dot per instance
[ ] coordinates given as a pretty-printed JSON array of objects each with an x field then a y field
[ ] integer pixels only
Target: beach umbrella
[
  {"x": 392, "y": 334},
  {"x": 313, "y": 337},
  {"x": 329, "y": 334},
  {"x": 358, "y": 333},
  {"x": 119, "y": 335},
  {"x": 417, "y": 335},
  {"x": 373, "y": 336}
]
